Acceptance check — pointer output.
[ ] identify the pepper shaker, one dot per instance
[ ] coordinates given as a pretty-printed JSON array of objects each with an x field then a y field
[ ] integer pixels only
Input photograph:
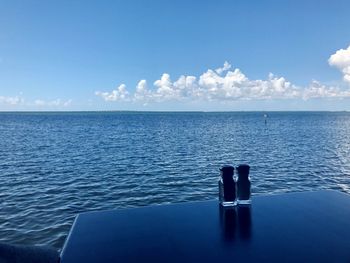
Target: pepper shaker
[{"x": 227, "y": 187}]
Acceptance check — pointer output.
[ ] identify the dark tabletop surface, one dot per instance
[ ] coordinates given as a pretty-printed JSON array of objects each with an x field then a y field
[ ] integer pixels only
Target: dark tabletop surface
[{"x": 295, "y": 227}]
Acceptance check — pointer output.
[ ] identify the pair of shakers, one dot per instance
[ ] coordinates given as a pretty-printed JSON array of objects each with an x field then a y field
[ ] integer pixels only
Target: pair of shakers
[{"x": 234, "y": 190}]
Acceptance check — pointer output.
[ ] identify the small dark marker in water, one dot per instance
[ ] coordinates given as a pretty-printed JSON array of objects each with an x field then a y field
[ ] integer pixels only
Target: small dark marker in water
[{"x": 265, "y": 117}]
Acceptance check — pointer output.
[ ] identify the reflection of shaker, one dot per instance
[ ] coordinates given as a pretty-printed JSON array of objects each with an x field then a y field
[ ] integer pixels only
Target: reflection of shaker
[
  {"x": 244, "y": 222},
  {"x": 228, "y": 223},
  {"x": 243, "y": 185},
  {"x": 227, "y": 188}
]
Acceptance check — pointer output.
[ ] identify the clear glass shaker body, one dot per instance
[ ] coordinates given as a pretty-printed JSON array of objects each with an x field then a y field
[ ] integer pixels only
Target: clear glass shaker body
[
  {"x": 227, "y": 186},
  {"x": 243, "y": 185}
]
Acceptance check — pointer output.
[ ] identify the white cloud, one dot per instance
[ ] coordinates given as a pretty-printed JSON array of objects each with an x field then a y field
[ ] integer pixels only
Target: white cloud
[
  {"x": 318, "y": 90},
  {"x": 16, "y": 100},
  {"x": 20, "y": 102},
  {"x": 142, "y": 93},
  {"x": 224, "y": 84},
  {"x": 226, "y": 66},
  {"x": 341, "y": 60},
  {"x": 67, "y": 103},
  {"x": 165, "y": 88},
  {"x": 52, "y": 103},
  {"x": 119, "y": 93}
]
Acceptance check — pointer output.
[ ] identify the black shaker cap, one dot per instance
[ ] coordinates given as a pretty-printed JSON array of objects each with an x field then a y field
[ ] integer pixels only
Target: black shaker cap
[
  {"x": 243, "y": 169},
  {"x": 227, "y": 170}
]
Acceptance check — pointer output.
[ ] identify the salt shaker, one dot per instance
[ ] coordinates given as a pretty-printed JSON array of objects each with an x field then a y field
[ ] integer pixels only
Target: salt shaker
[
  {"x": 227, "y": 187},
  {"x": 243, "y": 185}
]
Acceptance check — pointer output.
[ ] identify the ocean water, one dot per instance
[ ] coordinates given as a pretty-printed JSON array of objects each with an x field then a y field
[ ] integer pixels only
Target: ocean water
[{"x": 55, "y": 165}]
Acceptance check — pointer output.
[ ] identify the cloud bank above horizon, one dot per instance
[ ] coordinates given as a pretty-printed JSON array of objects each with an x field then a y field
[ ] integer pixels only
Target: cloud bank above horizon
[
  {"x": 223, "y": 84},
  {"x": 227, "y": 84},
  {"x": 19, "y": 100}
]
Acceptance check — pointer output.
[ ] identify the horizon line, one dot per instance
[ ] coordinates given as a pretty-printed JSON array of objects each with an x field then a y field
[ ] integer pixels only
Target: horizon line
[{"x": 162, "y": 111}]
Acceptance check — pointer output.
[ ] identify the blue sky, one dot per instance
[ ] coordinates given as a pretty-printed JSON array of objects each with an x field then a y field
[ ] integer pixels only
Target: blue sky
[{"x": 130, "y": 55}]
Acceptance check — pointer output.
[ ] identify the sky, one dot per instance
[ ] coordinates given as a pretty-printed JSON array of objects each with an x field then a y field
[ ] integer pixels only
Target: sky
[{"x": 174, "y": 55}]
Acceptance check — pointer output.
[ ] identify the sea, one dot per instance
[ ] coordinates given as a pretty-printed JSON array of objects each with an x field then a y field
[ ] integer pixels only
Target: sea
[{"x": 54, "y": 165}]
